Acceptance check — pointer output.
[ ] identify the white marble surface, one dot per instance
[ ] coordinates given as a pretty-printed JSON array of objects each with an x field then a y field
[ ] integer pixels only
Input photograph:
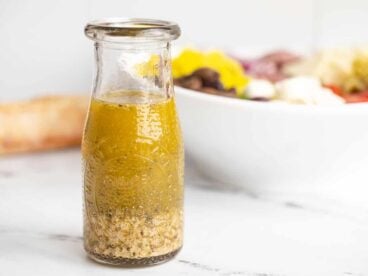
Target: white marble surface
[{"x": 226, "y": 233}]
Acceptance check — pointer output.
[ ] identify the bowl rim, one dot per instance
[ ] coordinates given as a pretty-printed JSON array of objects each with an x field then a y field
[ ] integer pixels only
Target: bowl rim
[{"x": 352, "y": 108}]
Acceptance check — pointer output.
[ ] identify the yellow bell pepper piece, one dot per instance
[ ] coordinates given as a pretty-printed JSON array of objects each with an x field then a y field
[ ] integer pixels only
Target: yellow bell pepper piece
[{"x": 231, "y": 71}]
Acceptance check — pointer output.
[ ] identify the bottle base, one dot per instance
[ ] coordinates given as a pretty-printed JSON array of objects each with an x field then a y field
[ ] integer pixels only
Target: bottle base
[{"x": 128, "y": 262}]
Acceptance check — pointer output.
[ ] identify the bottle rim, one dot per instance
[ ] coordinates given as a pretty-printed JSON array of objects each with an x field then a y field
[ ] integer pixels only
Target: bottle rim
[{"x": 131, "y": 30}]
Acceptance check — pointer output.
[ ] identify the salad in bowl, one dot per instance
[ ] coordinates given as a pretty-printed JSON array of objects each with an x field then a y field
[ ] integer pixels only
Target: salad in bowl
[{"x": 279, "y": 125}]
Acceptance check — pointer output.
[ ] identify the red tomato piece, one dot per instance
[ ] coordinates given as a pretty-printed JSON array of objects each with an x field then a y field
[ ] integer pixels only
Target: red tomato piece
[
  {"x": 357, "y": 97},
  {"x": 334, "y": 88}
]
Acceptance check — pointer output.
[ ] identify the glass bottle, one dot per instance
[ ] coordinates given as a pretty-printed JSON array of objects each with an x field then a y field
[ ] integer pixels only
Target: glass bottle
[{"x": 132, "y": 147}]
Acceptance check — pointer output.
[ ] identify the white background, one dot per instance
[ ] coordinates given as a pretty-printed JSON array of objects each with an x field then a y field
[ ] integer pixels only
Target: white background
[{"x": 43, "y": 49}]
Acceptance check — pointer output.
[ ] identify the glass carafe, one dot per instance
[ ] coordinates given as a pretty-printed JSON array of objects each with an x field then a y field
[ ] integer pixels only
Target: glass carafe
[{"x": 132, "y": 146}]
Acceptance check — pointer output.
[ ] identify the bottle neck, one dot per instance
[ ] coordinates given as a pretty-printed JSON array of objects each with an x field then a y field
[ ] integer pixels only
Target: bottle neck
[{"x": 143, "y": 67}]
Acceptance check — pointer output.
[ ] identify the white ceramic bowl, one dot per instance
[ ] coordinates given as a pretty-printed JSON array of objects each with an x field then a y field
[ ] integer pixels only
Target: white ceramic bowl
[{"x": 277, "y": 149}]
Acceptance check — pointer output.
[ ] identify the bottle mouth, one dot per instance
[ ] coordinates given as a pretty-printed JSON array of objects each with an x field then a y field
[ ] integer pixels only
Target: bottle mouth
[{"x": 132, "y": 30}]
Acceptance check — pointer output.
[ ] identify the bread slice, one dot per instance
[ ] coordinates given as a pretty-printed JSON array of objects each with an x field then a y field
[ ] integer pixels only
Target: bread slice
[{"x": 43, "y": 123}]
